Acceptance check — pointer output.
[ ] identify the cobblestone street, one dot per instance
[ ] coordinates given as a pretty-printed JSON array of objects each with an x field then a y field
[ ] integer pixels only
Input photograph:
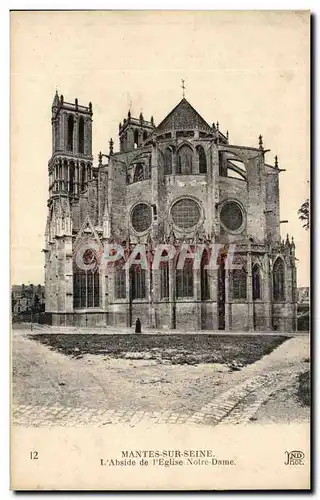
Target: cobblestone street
[{"x": 50, "y": 389}]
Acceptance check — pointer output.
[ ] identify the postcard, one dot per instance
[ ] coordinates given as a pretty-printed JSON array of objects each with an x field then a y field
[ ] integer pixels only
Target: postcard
[{"x": 160, "y": 250}]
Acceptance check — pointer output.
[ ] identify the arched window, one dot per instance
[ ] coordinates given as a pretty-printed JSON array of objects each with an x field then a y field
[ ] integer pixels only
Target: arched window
[
  {"x": 81, "y": 135},
  {"x": 256, "y": 286},
  {"x": 63, "y": 175},
  {"x": 239, "y": 284},
  {"x": 185, "y": 155},
  {"x": 135, "y": 139},
  {"x": 278, "y": 280},
  {"x": 120, "y": 280},
  {"x": 164, "y": 279},
  {"x": 168, "y": 161},
  {"x": 184, "y": 280},
  {"x": 145, "y": 135},
  {"x": 86, "y": 289},
  {"x": 70, "y": 133},
  {"x": 71, "y": 177},
  {"x": 202, "y": 160},
  {"x": 204, "y": 276},
  {"x": 83, "y": 177},
  {"x": 138, "y": 282},
  {"x": 138, "y": 173},
  {"x": 56, "y": 135}
]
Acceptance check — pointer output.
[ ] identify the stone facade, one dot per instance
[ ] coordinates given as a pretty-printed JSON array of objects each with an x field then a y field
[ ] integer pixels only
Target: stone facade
[{"x": 181, "y": 182}]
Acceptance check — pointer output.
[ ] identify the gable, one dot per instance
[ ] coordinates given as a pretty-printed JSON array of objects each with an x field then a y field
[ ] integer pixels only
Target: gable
[{"x": 183, "y": 117}]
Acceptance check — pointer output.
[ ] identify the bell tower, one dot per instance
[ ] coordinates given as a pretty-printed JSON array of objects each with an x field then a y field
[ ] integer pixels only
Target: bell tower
[
  {"x": 70, "y": 171},
  {"x": 134, "y": 132},
  {"x": 70, "y": 166}
]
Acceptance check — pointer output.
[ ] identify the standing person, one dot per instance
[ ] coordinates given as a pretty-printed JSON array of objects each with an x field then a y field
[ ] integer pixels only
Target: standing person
[{"x": 138, "y": 326}]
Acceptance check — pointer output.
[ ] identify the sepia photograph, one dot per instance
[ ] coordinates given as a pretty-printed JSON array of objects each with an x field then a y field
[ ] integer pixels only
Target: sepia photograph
[{"x": 160, "y": 225}]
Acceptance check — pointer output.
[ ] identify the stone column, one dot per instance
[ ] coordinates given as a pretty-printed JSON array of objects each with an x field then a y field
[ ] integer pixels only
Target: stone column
[
  {"x": 60, "y": 176},
  {"x": 62, "y": 127},
  {"x": 53, "y": 135},
  {"x": 197, "y": 294},
  {"x": 76, "y": 178},
  {"x": 195, "y": 162},
  {"x": 213, "y": 283},
  {"x": 155, "y": 184},
  {"x": 75, "y": 134},
  {"x": 102, "y": 285},
  {"x": 57, "y": 176},
  {"x": 174, "y": 162},
  {"x": 288, "y": 309},
  {"x": 172, "y": 294},
  {"x": 53, "y": 184},
  {"x": 68, "y": 275},
  {"x": 150, "y": 286},
  {"x": 266, "y": 287},
  {"x": 88, "y": 135},
  {"x": 68, "y": 178},
  {"x": 215, "y": 193},
  {"x": 249, "y": 291},
  {"x": 227, "y": 305},
  {"x": 129, "y": 296},
  {"x": 105, "y": 296}
]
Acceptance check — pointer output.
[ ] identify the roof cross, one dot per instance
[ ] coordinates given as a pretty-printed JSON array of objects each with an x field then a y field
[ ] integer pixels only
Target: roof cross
[{"x": 183, "y": 88}]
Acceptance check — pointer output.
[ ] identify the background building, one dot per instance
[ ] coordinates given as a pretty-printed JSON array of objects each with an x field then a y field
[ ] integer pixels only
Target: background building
[
  {"x": 27, "y": 298},
  {"x": 181, "y": 181},
  {"x": 303, "y": 308}
]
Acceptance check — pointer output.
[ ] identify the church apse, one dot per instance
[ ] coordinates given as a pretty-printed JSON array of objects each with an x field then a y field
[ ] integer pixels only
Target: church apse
[{"x": 180, "y": 184}]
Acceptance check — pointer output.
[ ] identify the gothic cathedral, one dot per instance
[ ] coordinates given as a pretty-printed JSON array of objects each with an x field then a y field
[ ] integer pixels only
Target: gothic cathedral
[{"x": 178, "y": 182}]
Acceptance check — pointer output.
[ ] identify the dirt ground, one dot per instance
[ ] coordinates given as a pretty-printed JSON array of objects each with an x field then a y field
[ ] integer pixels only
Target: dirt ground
[{"x": 45, "y": 377}]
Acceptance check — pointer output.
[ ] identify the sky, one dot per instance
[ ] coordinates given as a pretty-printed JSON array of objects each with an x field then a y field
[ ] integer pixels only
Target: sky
[{"x": 249, "y": 70}]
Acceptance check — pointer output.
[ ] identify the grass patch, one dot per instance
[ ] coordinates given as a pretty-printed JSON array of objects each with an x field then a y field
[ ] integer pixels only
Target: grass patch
[
  {"x": 304, "y": 388},
  {"x": 234, "y": 351}
]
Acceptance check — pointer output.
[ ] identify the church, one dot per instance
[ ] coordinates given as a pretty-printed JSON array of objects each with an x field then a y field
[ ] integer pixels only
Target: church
[{"x": 181, "y": 181}]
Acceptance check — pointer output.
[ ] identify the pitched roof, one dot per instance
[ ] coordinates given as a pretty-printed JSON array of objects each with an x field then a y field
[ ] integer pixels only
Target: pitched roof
[{"x": 183, "y": 117}]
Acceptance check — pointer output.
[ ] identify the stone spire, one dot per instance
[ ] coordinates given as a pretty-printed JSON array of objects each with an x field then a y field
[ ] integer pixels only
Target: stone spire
[
  {"x": 55, "y": 101},
  {"x": 287, "y": 241},
  {"x": 111, "y": 146},
  {"x": 260, "y": 142}
]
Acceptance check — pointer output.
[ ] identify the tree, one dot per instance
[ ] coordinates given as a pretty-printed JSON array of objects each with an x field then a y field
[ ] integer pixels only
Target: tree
[
  {"x": 13, "y": 302},
  {"x": 304, "y": 214},
  {"x": 36, "y": 304}
]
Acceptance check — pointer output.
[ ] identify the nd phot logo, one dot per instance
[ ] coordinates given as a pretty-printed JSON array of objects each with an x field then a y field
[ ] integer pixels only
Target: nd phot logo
[{"x": 294, "y": 457}]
